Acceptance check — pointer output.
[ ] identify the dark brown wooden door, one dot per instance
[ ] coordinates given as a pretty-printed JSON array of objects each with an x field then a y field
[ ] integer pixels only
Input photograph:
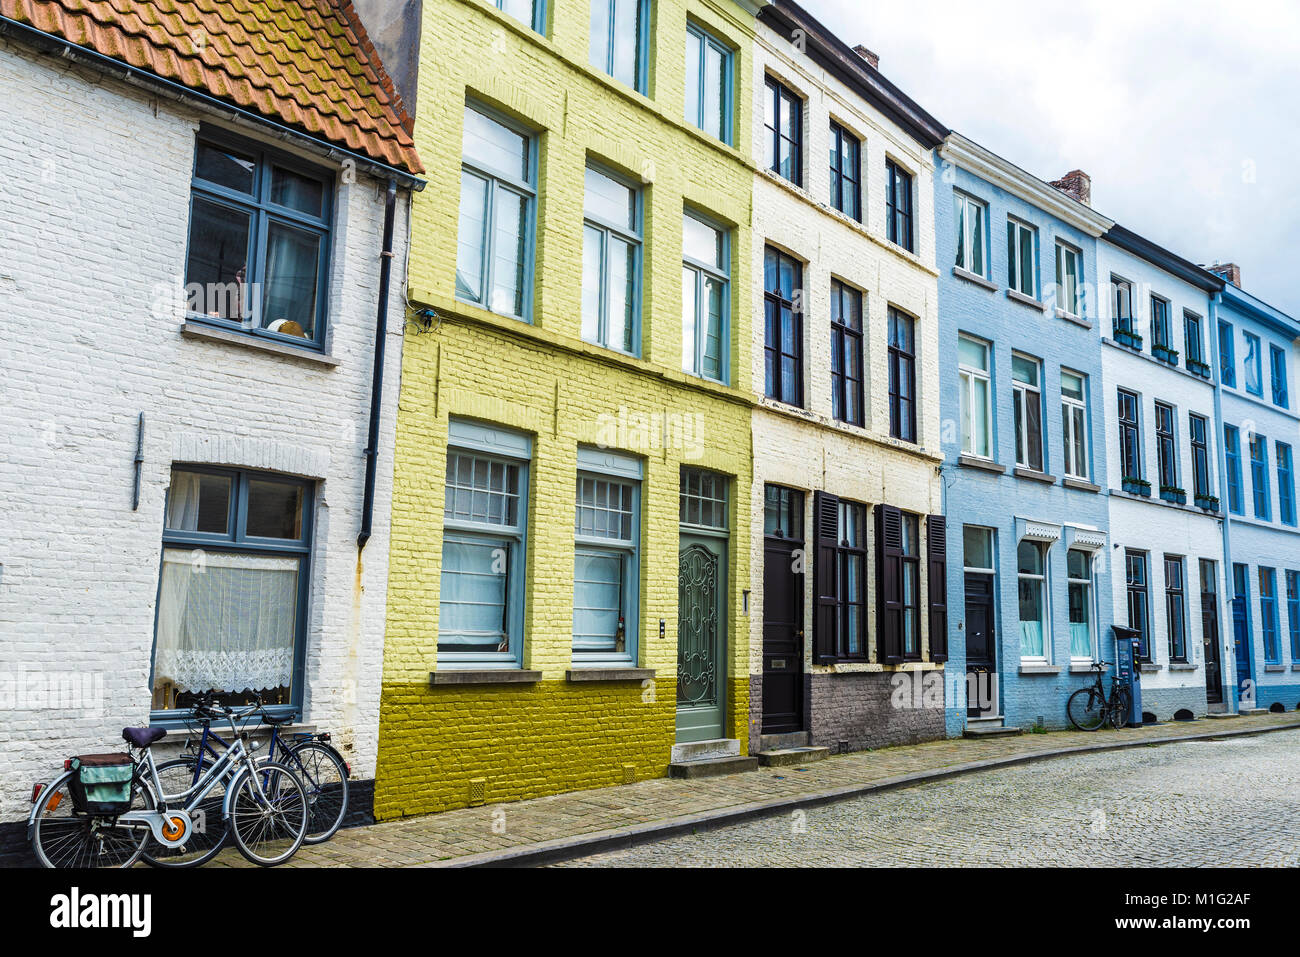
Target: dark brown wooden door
[
  {"x": 782, "y": 636},
  {"x": 981, "y": 653},
  {"x": 1210, "y": 635}
]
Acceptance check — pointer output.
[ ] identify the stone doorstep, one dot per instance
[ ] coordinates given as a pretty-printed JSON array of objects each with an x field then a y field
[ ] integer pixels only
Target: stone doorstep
[
  {"x": 704, "y": 750},
  {"x": 1220, "y": 715},
  {"x": 788, "y": 757},
  {"x": 779, "y": 742},
  {"x": 712, "y": 767},
  {"x": 991, "y": 731}
]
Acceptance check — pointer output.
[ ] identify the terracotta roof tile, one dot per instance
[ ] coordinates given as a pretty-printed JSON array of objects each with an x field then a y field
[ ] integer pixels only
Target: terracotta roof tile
[{"x": 305, "y": 63}]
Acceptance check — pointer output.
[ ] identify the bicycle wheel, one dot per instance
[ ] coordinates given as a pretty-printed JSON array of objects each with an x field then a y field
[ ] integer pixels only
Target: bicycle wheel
[
  {"x": 269, "y": 830},
  {"x": 325, "y": 776},
  {"x": 1086, "y": 709},
  {"x": 210, "y": 832},
  {"x": 64, "y": 837},
  {"x": 1121, "y": 705}
]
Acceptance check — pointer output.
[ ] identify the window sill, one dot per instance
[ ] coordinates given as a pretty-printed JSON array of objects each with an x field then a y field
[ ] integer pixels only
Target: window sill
[
  {"x": 609, "y": 674},
  {"x": 201, "y": 330},
  {"x": 975, "y": 462},
  {"x": 1040, "y": 669},
  {"x": 1182, "y": 666},
  {"x": 1148, "y": 667},
  {"x": 1081, "y": 667},
  {"x": 1034, "y": 475},
  {"x": 974, "y": 278},
  {"x": 1071, "y": 317},
  {"x": 1274, "y": 669},
  {"x": 1030, "y": 301},
  {"x": 1080, "y": 485},
  {"x": 486, "y": 676}
]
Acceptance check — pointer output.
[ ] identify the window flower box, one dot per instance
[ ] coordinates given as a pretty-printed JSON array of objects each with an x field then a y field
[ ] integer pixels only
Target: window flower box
[
  {"x": 1125, "y": 336},
  {"x": 1209, "y": 503},
  {"x": 1165, "y": 354},
  {"x": 1172, "y": 493},
  {"x": 1201, "y": 369},
  {"x": 1136, "y": 486}
]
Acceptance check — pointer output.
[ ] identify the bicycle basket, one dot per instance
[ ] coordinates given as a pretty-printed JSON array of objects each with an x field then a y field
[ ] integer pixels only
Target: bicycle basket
[{"x": 101, "y": 783}]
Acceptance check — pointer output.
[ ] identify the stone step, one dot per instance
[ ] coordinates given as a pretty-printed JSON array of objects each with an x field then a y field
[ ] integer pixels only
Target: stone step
[
  {"x": 780, "y": 742},
  {"x": 1252, "y": 710},
  {"x": 712, "y": 767},
  {"x": 990, "y": 731},
  {"x": 787, "y": 757},
  {"x": 1223, "y": 714},
  {"x": 703, "y": 750}
]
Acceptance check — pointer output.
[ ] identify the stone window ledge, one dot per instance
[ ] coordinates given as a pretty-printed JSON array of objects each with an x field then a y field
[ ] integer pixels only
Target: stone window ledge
[
  {"x": 1071, "y": 317},
  {"x": 974, "y": 278},
  {"x": 1080, "y": 485},
  {"x": 975, "y": 462},
  {"x": 485, "y": 676},
  {"x": 1182, "y": 666},
  {"x": 201, "y": 330},
  {"x": 609, "y": 674},
  {"x": 1034, "y": 475},
  {"x": 1148, "y": 667},
  {"x": 1030, "y": 301},
  {"x": 1040, "y": 669},
  {"x": 1274, "y": 669}
]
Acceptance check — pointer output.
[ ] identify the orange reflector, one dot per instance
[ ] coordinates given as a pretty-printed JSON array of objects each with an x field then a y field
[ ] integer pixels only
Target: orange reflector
[{"x": 55, "y": 802}]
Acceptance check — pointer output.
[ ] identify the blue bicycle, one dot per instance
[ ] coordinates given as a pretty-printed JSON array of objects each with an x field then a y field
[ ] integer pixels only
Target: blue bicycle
[{"x": 311, "y": 757}]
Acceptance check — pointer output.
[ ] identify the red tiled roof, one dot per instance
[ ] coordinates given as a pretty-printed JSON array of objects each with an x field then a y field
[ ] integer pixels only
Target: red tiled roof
[{"x": 306, "y": 63}]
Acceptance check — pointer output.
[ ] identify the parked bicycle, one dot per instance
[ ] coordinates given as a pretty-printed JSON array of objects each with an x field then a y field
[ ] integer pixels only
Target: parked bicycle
[
  {"x": 1089, "y": 708},
  {"x": 311, "y": 757},
  {"x": 104, "y": 809}
]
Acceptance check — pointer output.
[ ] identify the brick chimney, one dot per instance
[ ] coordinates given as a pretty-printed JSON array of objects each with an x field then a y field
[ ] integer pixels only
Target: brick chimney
[
  {"x": 1077, "y": 185},
  {"x": 873, "y": 61},
  {"x": 1227, "y": 271}
]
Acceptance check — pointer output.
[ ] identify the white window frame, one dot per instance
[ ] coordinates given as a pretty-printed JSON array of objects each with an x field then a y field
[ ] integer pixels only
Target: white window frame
[
  {"x": 1014, "y": 263},
  {"x": 1091, "y": 584},
  {"x": 967, "y": 375},
  {"x": 1074, "y": 307},
  {"x": 606, "y": 466},
  {"x": 964, "y": 207},
  {"x": 1045, "y": 600},
  {"x": 633, "y": 237},
  {"x": 694, "y": 364},
  {"x": 1070, "y": 405},
  {"x": 1018, "y": 398}
]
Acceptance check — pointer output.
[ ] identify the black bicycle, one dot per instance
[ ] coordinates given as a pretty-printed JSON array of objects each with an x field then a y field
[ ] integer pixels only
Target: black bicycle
[{"x": 1089, "y": 708}]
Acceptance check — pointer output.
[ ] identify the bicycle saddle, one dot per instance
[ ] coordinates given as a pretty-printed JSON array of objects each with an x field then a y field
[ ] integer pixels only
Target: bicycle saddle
[
  {"x": 143, "y": 737},
  {"x": 277, "y": 719}
]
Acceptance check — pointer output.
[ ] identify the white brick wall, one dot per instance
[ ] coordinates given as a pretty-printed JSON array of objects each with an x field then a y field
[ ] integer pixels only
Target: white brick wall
[{"x": 94, "y": 205}]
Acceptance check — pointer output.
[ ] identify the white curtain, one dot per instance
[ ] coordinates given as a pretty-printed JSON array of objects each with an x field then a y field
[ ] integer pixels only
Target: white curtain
[
  {"x": 1080, "y": 639},
  {"x": 226, "y": 622},
  {"x": 1031, "y": 639}
]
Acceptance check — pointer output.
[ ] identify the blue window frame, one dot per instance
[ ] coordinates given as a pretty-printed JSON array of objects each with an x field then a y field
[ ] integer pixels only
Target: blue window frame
[
  {"x": 846, "y": 172},
  {"x": 233, "y": 589},
  {"x": 1259, "y": 477},
  {"x": 1253, "y": 365},
  {"x": 1293, "y": 612},
  {"x": 1285, "y": 485},
  {"x": 706, "y": 299},
  {"x": 1277, "y": 375},
  {"x": 607, "y": 551},
  {"x": 709, "y": 83},
  {"x": 620, "y": 40},
  {"x": 1227, "y": 355},
  {"x": 1268, "y": 614},
  {"x": 259, "y": 240},
  {"x": 1232, "y": 452},
  {"x": 611, "y": 263},
  {"x": 497, "y": 215},
  {"x": 485, "y": 519},
  {"x": 783, "y": 132},
  {"x": 531, "y": 12}
]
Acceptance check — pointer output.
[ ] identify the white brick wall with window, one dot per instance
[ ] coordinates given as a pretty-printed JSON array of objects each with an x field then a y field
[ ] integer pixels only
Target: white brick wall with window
[{"x": 95, "y": 182}]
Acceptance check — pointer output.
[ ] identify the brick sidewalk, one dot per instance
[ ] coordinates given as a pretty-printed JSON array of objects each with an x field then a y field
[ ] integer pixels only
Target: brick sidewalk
[{"x": 582, "y": 822}]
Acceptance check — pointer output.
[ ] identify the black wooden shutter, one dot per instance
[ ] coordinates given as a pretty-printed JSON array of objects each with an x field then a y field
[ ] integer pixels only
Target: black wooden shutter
[
  {"x": 936, "y": 546},
  {"x": 889, "y": 584},
  {"x": 826, "y": 608}
]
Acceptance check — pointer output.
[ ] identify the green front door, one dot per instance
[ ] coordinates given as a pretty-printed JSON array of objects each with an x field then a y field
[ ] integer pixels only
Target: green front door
[{"x": 701, "y": 637}]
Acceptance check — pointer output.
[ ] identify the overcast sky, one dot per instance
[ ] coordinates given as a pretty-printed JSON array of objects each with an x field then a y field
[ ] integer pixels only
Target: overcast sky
[{"x": 1185, "y": 113}]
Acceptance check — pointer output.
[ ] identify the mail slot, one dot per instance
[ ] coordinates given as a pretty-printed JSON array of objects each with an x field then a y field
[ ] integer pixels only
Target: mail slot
[{"x": 778, "y": 664}]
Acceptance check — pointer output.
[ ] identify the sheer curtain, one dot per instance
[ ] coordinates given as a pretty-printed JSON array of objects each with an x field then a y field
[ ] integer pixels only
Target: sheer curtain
[{"x": 1031, "y": 639}]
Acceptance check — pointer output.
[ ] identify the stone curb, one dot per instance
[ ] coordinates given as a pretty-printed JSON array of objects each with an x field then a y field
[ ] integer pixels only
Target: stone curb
[{"x": 595, "y": 842}]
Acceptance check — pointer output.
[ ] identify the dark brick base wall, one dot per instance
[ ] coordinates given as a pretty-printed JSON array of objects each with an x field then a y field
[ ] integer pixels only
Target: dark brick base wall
[
  {"x": 755, "y": 712},
  {"x": 859, "y": 709}
]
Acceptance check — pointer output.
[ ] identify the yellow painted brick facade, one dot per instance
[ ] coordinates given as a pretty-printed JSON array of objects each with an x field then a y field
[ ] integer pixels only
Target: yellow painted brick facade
[{"x": 438, "y": 742}]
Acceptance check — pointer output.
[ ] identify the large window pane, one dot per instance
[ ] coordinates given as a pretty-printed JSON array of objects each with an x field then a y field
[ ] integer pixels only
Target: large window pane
[
  {"x": 597, "y": 600},
  {"x": 472, "y": 596},
  {"x": 292, "y": 277},
  {"x": 274, "y": 509},
  {"x": 216, "y": 274},
  {"x": 510, "y": 231},
  {"x": 495, "y": 148},
  {"x": 199, "y": 502},
  {"x": 225, "y": 167},
  {"x": 471, "y": 237},
  {"x": 303, "y": 193}
]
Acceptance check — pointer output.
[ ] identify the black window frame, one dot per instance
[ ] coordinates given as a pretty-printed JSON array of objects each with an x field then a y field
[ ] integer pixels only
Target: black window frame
[
  {"x": 846, "y": 149},
  {"x": 1138, "y": 590},
  {"x": 776, "y": 309},
  {"x": 1176, "y": 599},
  {"x": 1130, "y": 434},
  {"x": 1166, "y": 445},
  {"x": 1198, "y": 428},
  {"x": 776, "y": 91},
  {"x": 899, "y": 215},
  {"x": 846, "y": 340},
  {"x": 902, "y": 361}
]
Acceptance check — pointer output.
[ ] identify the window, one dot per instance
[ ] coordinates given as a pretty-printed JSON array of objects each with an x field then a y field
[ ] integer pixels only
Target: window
[
  {"x": 911, "y": 582},
  {"x": 1026, "y": 391},
  {"x": 1069, "y": 280},
  {"x": 1031, "y": 577},
  {"x": 783, "y": 346},
  {"x": 1161, "y": 334},
  {"x": 1293, "y": 613},
  {"x": 531, "y": 12},
  {"x": 703, "y": 499},
  {"x": 1193, "y": 344},
  {"x": 1122, "y": 296},
  {"x": 1259, "y": 477},
  {"x": 902, "y": 376},
  {"x": 1199, "y": 428},
  {"x": 619, "y": 40},
  {"x": 1254, "y": 376},
  {"x": 1175, "y": 608},
  {"x": 611, "y": 263},
  {"x": 898, "y": 583},
  {"x": 1130, "y": 436},
  {"x": 976, "y": 397},
  {"x": 1079, "y": 572},
  {"x": 706, "y": 299},
  {"x": 1139, "y": 617},
  {"x": 485, "y": 514},
  {"x": 1166, "y": 447},
  {"x": 898, "y": 205},
  {"x": 1277, "y": 375},
  {"x": 708, "y": 83},
  {"x": 1285, "y": 485},
  {"x": 846, "y": 353},
  {"x": 1074, "y": 423},
  {"x": 783, "y": 132},
  {"x": 977, "y": 549},
  {"x": 1227, "y": 357},
  {"x": 1268, "y": 614},
  {"x": 1022, "y": 263},
  {"x": 259, "y": 241},
  {"x": 970, "y": 215},
  {"x": 497, "y": 194},
  {"x": 846, "y": 172},
  {"x": 1232, "y": 452},
  {"x": 850, "y": 581},
  {"x": 782, "y": 513},
  {"x": 232, "y": 598},
  {"x": 606, "y": 557}
]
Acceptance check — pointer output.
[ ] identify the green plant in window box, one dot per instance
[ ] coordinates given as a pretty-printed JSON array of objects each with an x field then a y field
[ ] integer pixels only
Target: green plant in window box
[
  {"x": 1135, "y": 486},
  {"x": 1208, "y": 502},
  {"x": 1172, "y": 493}
]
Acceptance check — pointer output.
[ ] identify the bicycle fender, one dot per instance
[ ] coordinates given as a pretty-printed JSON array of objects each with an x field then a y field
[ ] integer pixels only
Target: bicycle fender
[{"x": 52, "y": 786}]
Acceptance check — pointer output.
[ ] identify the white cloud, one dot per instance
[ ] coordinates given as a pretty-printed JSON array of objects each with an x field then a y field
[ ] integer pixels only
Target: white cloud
[{"x": 1186, "y": 113}]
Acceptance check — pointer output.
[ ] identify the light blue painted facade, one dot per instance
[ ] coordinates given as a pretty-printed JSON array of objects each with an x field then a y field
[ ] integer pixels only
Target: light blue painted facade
[
  {"x": 992, "y": 493},
  {"x": 1268, "y": 669}
]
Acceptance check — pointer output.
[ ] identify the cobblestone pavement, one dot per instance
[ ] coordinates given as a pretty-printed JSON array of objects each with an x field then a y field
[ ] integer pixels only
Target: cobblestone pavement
[
  {"x": 1232, "y": 802},
  {"x": 500, "y": 827}
]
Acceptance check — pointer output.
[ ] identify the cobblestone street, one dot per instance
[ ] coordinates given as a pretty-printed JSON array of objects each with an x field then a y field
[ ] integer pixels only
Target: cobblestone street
[{"x": 1199, "y": 803}]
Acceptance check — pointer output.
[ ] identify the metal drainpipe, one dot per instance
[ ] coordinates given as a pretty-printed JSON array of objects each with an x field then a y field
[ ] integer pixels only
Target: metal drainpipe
[
  {"x": 377, "y": 381},
  {"x": 1227, "y": 639}
]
